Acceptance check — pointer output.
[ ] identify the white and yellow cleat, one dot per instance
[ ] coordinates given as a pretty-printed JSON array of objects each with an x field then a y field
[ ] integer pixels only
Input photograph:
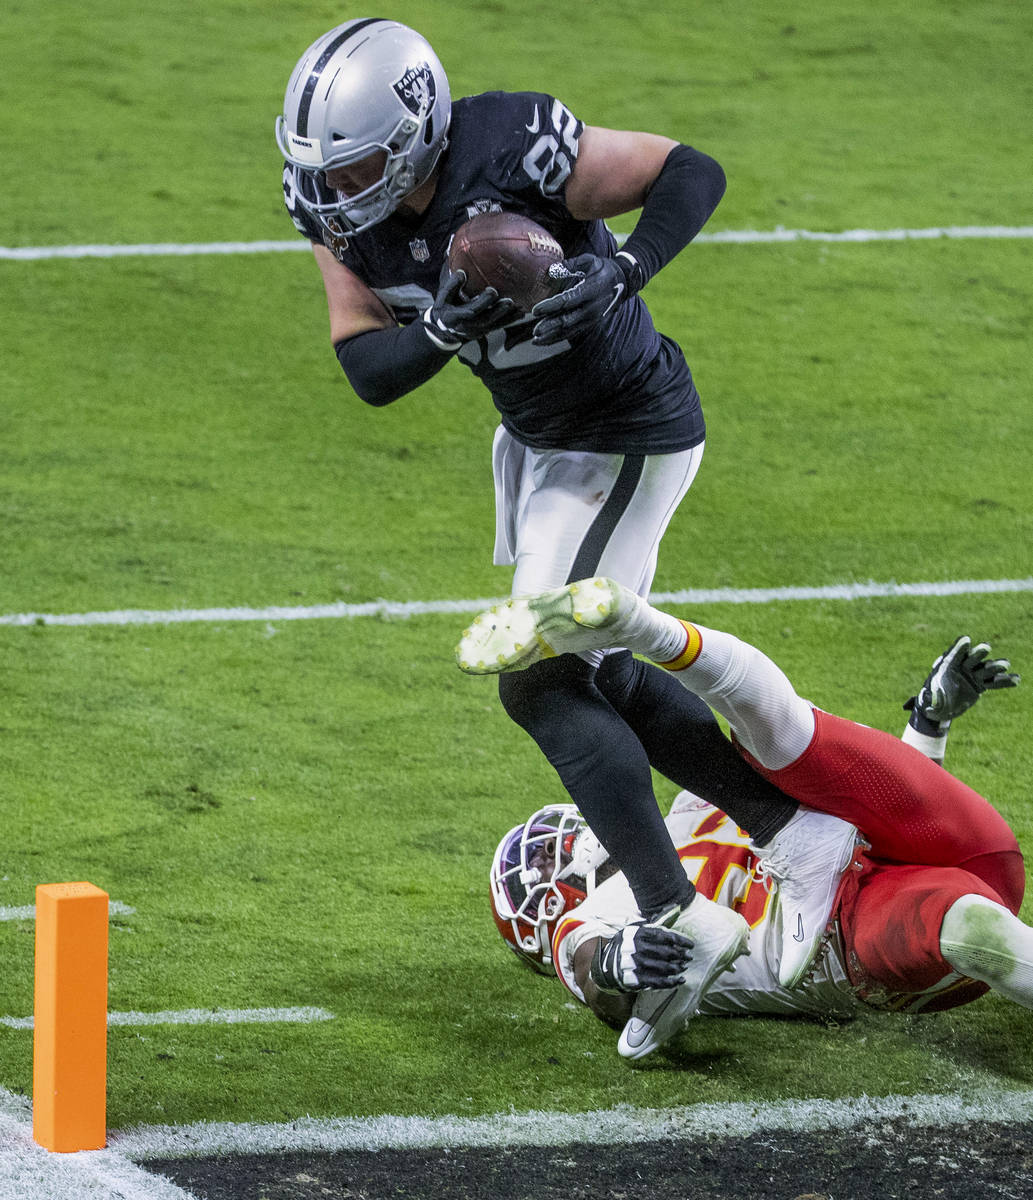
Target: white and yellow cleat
[{"x": 581, "y": 616}]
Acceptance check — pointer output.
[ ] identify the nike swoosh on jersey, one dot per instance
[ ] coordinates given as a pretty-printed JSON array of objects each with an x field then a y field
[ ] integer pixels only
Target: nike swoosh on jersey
[
  {"x": 799, "y": 935},
  {"x": 533, "y": 127}
]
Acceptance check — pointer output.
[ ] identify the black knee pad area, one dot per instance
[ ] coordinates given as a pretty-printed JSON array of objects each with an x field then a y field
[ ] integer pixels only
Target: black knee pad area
[{"x": 544, "y": 692}]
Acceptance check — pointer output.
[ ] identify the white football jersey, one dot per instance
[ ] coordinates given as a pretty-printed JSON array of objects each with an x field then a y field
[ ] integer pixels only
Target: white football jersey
[{"x": 719, "y": 858}]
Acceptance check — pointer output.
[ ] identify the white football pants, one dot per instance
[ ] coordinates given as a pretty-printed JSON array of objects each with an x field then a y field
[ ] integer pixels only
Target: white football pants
[{"x": 562, "y": 515}]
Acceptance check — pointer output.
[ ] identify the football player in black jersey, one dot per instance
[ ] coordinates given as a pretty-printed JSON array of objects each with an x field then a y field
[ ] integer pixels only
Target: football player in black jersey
[{"x": 601, "y": 430}]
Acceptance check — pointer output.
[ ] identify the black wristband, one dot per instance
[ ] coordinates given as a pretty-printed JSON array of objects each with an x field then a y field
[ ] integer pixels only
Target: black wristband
[
  {"x": 598, "y": 973},
  {"x": 383, "y": 364},
  {"x": 925, "y": 725},
  {"x": 683, "y": 196}
]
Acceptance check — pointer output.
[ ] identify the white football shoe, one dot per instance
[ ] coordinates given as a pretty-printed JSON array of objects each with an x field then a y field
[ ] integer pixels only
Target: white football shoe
[
  {"x": 806, "y": 861},
  {"x": 581, "y": 616},
  {"x": 719, "y": 937},
  {"x": 985, "y": 941}
]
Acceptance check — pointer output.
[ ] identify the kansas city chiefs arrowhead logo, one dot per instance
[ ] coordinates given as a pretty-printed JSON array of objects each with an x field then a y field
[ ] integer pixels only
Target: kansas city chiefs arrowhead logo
[{"x": 416, "y": 89}]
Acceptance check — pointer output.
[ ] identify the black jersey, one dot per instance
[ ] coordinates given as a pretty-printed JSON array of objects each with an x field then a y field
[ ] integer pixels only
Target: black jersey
[{"x": 622, "y": 387}]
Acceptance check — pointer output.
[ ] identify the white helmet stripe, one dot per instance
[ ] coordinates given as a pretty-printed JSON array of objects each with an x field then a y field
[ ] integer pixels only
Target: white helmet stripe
[{"x": 313, "y": 80}]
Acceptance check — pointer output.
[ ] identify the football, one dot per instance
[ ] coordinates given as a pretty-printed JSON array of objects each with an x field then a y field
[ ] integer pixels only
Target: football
[{"x": 508, "y": 252}]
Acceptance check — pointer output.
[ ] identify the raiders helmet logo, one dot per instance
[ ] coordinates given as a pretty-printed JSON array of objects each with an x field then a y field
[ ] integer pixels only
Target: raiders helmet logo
[{"x": 416, "y": 89}]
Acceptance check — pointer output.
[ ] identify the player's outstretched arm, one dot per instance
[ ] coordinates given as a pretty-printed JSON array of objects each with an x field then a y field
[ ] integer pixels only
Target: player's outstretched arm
[
  {"x": 616, "y": 171},
  {"x": 958, "y": 678}
]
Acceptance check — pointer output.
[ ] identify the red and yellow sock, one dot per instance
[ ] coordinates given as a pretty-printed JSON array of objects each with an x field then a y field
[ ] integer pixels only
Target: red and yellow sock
[{"x": 693, "y": 645}]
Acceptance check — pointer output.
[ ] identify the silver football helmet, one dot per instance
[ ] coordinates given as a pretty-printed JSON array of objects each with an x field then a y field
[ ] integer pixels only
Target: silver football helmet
[{"x": 370, "y": 89}]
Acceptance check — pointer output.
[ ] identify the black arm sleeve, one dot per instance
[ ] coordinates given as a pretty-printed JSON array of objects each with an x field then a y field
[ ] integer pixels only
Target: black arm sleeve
[
  {"x": 683, "y": 196},
  {"x": 383, "y": 364}
]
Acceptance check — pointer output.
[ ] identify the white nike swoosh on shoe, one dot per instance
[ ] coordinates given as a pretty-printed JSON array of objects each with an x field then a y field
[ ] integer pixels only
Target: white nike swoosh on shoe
[{"x": 637, "y": 1031}]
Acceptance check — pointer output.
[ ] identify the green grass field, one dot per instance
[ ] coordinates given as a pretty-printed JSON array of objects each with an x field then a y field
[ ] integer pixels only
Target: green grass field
[{"x": 303, "y": 812}]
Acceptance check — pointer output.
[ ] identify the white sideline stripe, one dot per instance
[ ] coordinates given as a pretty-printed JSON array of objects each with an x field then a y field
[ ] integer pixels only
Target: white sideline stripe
[
  {"x": 373, "y": 608},
  {"x": 149, "y": 249},
  {"x": 843, "y": 591},
  {"x": 622, "y": 1125},
  {"x": 28, "y": 1172},
  {"x": 867, "y": 235},
  {"x": 751, "y": 236},
  {"x": 27, "y": 912},
  {"x": 418, "y": 608},
  {"x": 203, "y": 1016}
]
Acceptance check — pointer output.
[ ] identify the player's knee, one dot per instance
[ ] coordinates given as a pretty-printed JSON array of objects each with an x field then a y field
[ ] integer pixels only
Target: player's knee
[
  {"x": 543, "y": 692},
  {"x": 1005, "y": 872},
  {"x": 619, "y": 676}
]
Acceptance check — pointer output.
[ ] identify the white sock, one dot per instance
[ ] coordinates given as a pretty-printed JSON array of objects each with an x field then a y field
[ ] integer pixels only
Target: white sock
[
  {"x": 750, "y": 691},
  {"x": 984, "y": 941},
  {"x": 652, "y": 633}
]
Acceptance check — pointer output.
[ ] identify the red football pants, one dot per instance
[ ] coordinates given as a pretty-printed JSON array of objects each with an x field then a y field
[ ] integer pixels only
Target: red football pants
[{"x": 933, "y": 841}]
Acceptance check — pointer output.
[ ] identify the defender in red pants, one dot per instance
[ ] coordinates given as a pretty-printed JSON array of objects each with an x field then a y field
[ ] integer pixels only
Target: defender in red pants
[{"x": 922, "y": 915}]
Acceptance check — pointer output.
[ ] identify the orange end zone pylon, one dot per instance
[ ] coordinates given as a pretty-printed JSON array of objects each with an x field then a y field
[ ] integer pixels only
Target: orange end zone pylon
[{"x": 70, "y": 1040}]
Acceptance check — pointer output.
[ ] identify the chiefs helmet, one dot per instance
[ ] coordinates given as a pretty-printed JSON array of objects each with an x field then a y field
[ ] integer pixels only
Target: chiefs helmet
[
  {"x": 541, "y": 870},
  {"x": 369, "y": 87}
]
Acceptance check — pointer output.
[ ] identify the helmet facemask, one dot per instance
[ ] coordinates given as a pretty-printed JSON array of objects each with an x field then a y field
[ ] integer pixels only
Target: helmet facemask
[
  {"x": 364, "y": 88},
  {"x": 342, "y": 213},
  {"x": 533, "y": 882}
]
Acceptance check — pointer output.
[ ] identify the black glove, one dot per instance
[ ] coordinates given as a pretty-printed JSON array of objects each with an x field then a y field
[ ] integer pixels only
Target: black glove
[
  {"x": 958, "y": 678},
  {"x": 593, "y": 287},
  {"x": 640, "y": 955},
  {"x": 452, "y": 319}
]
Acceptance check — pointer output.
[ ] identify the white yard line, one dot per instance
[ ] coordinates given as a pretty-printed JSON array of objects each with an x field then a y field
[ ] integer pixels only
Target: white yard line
[
  {"x": 748, "y": 236},
  {"x": 203, "y": 1016},
  {"x": 148, "y": 250},
  {"x": 617, "y": 1126},
  {"x": 28, "y": 1172},
  {"x": 843, "y": 591},
  {"x": 373, "y": 608},
  {"x": 754, "y": 236},
  {"x": 417, "y": 608},
  {"x": 27, "y": 912}
]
